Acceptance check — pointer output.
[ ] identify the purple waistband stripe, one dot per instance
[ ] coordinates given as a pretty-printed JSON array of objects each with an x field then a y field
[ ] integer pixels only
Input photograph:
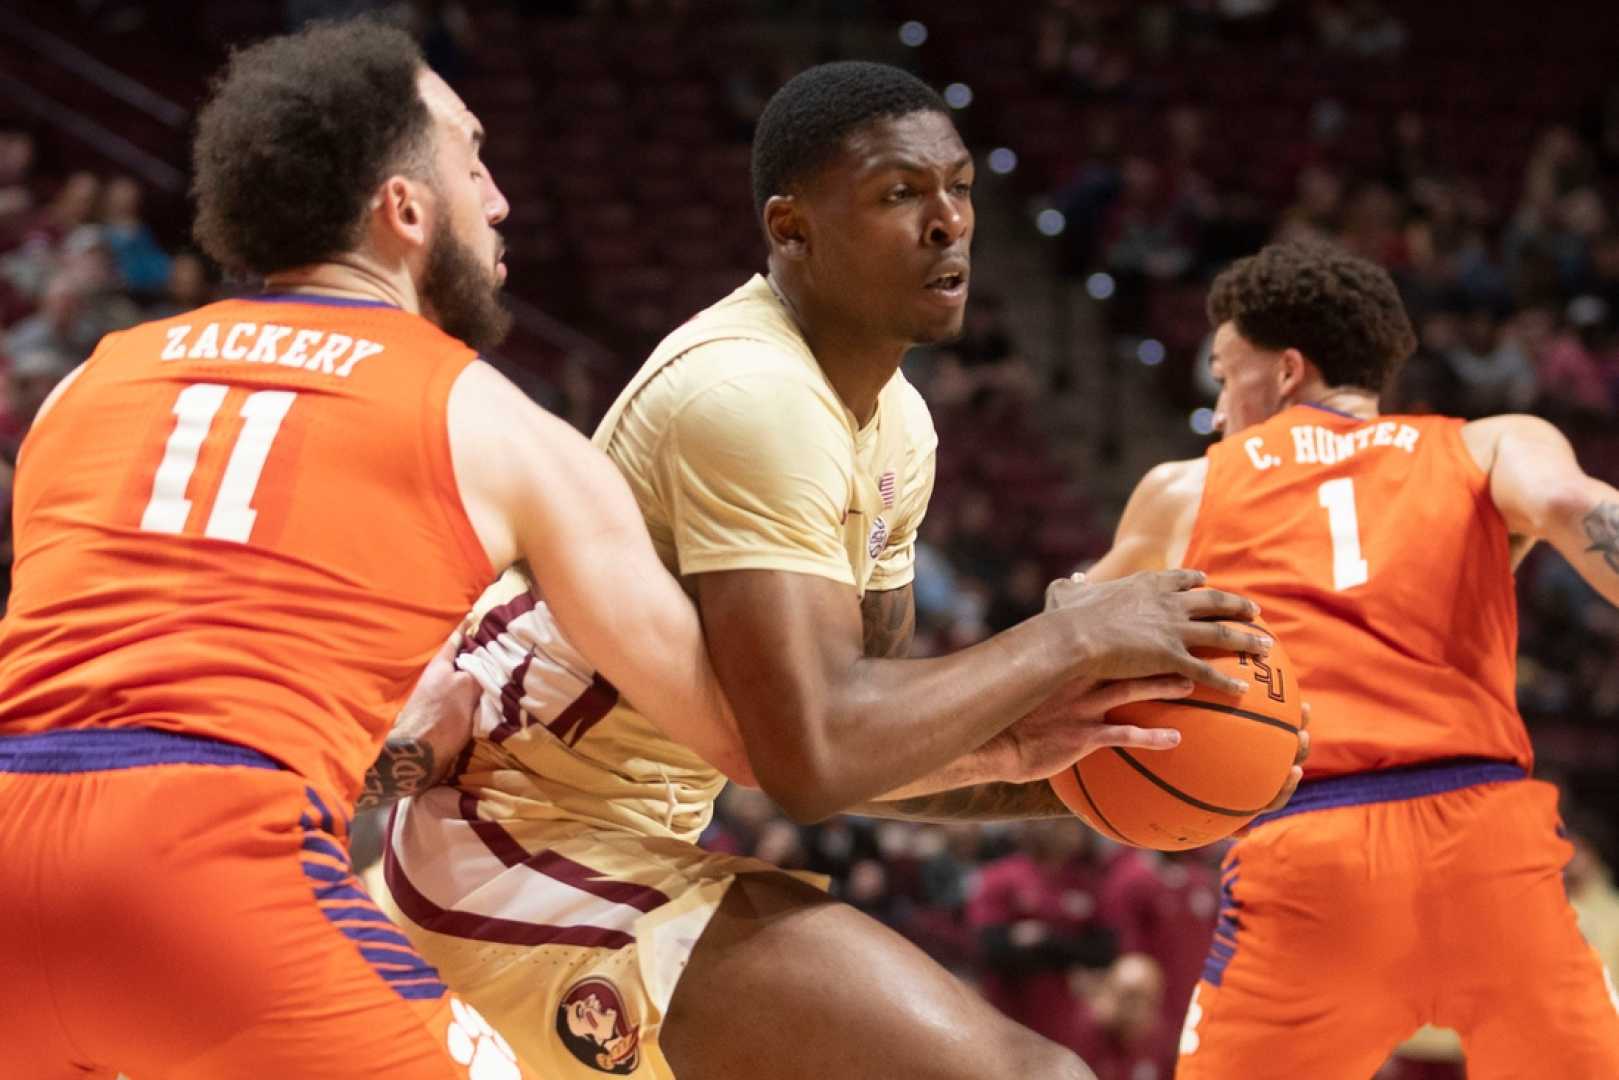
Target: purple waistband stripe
[
  {"x": 80, "y": 750},
  {"x": 1395, "y": 785}
]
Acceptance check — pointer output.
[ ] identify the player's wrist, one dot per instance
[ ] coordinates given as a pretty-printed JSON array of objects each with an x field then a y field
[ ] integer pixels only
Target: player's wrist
[{"x": 1078, "y": 641}]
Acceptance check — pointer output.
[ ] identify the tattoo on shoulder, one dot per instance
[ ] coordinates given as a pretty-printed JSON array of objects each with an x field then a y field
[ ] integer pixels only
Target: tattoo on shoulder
[
  {"x": 1602, "y": 529},
  {"x": 405, "y": 767},
  {"x": 888, "y": 619}
]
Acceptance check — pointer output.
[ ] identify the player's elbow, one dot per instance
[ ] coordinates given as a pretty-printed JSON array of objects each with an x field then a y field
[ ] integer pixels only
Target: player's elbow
[
  {"x": 1567, "y": 502},
  {"x": 802, "y": 794},
  {"x": 806, "y": 779}
]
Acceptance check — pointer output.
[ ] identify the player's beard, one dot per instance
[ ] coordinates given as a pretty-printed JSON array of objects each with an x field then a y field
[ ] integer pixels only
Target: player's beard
[{"x": 463, "y": 293}]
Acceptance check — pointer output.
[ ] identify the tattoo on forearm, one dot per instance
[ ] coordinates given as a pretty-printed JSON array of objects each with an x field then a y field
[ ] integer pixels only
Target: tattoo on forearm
[
  {"x": 1602, "y": 529},
  {"x": 889, "y": 621},
  {"x": 985, "y": 802},
  {"x": 405, "y": 767}
]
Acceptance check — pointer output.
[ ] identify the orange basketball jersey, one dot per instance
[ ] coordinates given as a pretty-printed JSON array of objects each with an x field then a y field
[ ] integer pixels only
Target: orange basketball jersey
[
  {"x": 242, "y": 523},
  {"x": 1380, "y": 560}
]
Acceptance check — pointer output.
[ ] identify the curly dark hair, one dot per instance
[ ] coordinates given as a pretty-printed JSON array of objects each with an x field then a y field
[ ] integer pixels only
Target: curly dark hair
[
  {"x": 297, "y": 133},
  {"x": 805, "y": 121},
  {"x": 1341, "y": 311}
]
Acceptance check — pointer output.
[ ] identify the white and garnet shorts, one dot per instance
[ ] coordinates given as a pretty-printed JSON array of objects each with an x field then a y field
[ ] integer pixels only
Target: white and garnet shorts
[{"x": 568, "y": 937}]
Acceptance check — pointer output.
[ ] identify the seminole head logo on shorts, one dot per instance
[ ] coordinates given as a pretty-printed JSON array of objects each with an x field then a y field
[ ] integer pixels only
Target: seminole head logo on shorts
[{"x": 596, "y": 1028}]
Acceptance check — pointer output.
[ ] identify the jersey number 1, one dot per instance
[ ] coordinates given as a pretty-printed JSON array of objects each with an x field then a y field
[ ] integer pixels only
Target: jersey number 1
[
  {"x": 233, "y": 515},
  {"x": 1348, "y": 568}
]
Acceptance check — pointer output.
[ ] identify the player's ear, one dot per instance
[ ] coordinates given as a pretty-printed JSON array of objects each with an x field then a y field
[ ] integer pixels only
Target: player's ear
[
  {"x": 402, "y": 211},
  {"x": 785, "y": 227},
  {"x": 1291, "y": 372}
]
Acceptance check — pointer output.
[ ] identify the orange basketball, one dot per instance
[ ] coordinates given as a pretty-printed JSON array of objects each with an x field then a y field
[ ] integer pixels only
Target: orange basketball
[{"x": 1234, "y": 756}]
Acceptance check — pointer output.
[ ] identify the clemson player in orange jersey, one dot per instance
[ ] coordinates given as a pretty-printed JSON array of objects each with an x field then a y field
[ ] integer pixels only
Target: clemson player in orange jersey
[
  {"x": 1416, "y": 875},
  {"x": 240, "y": 534}
]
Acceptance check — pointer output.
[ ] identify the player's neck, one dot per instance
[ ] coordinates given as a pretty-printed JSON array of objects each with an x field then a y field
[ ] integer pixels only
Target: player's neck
[
  {"x": 1361, "y": 404},
  {"x": 353, "y": 276},
  {"x": 857, "y": 367},
  {"x": 857, "y": 373}
]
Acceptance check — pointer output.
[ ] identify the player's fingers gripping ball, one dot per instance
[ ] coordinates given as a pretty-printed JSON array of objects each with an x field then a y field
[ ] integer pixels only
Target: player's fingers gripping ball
[{"x": 1234, "y": 756}]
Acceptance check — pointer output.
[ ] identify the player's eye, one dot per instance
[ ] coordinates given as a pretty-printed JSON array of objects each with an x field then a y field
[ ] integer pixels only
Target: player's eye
[
  {"x": 963, "y": 188},
  {"x": 898, "y": 194}
]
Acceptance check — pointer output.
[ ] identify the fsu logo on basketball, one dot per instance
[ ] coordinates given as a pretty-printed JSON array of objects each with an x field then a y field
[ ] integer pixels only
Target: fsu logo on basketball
[{"x": 596, "y": 1028}]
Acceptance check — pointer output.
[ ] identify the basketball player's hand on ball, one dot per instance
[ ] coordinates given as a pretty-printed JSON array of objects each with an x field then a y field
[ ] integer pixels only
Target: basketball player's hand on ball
[
  {"x": 1297, "y": 773},
  {"x": 1072, "y": 723},
  {"x": 1147, "y": 624}
]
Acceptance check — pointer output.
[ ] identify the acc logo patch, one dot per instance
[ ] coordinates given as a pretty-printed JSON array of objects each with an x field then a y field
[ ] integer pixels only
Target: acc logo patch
[
  {"x": 879, "y": 537},
  {"x": 479, "y": 1047},
  {"x": 596, "y": 1028}
]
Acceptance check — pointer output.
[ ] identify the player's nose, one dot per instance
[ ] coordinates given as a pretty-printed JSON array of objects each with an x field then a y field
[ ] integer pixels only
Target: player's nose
[
  {"x": 947, "y": 224},
  {"x": 495, "y": 206}
]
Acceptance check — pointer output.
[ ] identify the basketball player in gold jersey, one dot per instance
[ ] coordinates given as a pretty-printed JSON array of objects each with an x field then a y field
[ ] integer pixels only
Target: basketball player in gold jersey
[{"x": 783, "y": 466}]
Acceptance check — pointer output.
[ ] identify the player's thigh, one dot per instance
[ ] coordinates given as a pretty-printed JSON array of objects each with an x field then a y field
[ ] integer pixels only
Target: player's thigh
[
  {"x": 1299, "y": 978},
  {"x": 1232, "y": 1034},
  {"x": 31, "y": 1034},
  {"x": 1527, "y": 992},
  {"x": 1567, "y": 1024},
  {"x": 242, "y": 946},
  {"x": 1543, "y": 1006},
  {"x": 786, "y": 982}
]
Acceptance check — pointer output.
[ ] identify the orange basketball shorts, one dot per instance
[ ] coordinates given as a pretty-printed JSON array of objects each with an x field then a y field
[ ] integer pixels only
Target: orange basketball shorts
[
  {"x": 1377, "y": 902},
  {"x": 174, "y": 908}
]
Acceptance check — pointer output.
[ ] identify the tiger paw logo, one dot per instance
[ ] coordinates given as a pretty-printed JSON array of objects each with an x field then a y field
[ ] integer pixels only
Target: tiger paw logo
[
  {"x": 596, "y": 1028},
  {"x": 479, "y": 1047}
]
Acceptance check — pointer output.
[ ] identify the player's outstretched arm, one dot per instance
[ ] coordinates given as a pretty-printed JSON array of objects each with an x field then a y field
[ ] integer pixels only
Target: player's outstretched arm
[
  {"x": 536, "y": 489},
  {"x": 428, "y": 734},
  {"x": 1543, "y": 493},
  {"x": 1157, "y": 522},
  {"x": 828, "y": 728}
]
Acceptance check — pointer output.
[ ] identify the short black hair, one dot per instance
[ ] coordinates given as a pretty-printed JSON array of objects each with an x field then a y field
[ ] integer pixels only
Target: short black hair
[
  {"x": 1341, "y": 311},
  {"x": 805, "y": 121},
  {"x": 297, "y": 132}
]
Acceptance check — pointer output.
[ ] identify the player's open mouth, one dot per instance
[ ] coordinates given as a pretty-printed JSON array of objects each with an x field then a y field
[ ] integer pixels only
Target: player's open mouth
[{"x": 949, "y": 286}]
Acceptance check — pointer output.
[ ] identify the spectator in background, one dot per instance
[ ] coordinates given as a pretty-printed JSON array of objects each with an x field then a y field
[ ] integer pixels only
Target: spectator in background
[
  {"x": 189, "y": 287},
  {"x": 1491, "y": 367},
  {"x": 142, "y": 265},
  {"x": 1163, "y": 906},
  {"x": 1036, "y": 918},
  {"x": 34, "y": 259},
  {"x": 16, "y": 197},
  {"x": 1128, "y": 1037},
  {"x": 80, "y": 304},
  {"x": 1568, "y": 373},
  {"x": 33, "y": 373},
  {"x": 73, "y": 206},
  {"x": 1362, "y": 29}
]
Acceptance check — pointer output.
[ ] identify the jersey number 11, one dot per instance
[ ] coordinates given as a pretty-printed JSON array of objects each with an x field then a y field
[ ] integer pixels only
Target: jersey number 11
[{"x": 233, "y": 515}]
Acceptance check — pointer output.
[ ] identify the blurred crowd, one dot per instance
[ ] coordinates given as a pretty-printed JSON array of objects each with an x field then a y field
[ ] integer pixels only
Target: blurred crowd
[{"x": 77, "y": 260}]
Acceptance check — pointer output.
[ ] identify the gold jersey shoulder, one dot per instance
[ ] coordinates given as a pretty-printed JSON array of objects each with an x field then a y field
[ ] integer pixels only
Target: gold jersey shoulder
[{"x": 740, "y": 456}]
